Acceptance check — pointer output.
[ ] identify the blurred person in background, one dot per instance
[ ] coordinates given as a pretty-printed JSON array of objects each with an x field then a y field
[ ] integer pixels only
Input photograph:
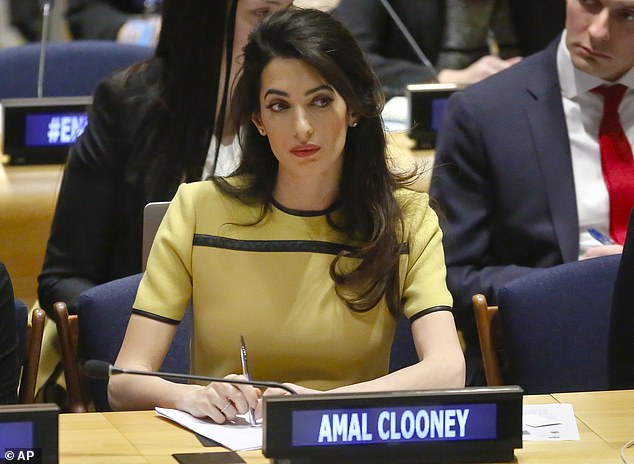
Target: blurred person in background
[{"x": 465, "y": 40}]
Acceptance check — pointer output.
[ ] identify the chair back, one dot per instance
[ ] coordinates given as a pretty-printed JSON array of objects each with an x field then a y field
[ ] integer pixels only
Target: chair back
[
  {"x": 556, "y": 326},
  {"x": 103, "y": 314},
  {"x": 403, "y": 352},
  {"x": 72, "y": 68},
  {"x": 153, "y": 215}
]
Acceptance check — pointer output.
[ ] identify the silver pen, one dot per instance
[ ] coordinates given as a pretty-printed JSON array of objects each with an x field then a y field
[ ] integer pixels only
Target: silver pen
[{"x": 245, "y": 372}]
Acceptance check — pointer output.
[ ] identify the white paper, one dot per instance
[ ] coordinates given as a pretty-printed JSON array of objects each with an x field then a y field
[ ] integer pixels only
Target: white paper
[
  {"x": 549, "y": 422},
  {"x": 396, "y": 114},
  {"x": 237, "y": 435}
]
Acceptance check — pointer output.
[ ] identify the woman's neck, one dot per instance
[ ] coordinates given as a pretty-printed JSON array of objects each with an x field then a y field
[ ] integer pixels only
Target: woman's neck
[{"x": 305, "y": 193}]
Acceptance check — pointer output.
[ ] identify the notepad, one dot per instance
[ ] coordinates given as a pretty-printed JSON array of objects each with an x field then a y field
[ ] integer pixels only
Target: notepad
[
  {"x": 236, "y": 436},
  {"x": 549, "y": 422}
]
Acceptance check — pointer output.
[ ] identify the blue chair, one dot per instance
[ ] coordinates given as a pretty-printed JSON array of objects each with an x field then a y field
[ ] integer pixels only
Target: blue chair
[
  {"x": 72, "y": 68},
  {"x": 555, "y": 323},
  {"x": 103, "y": 314}
]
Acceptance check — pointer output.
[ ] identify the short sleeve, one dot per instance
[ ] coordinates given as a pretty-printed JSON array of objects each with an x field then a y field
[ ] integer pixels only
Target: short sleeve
[
  {"x": 166, "y": 286},
  {"x": 424, "y": 283}
]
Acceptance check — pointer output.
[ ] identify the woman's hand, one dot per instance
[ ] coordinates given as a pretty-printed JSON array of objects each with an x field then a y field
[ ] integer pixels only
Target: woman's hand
[
  {"x": 281, "y": 392},
  {"x": 220, "y": 401}
]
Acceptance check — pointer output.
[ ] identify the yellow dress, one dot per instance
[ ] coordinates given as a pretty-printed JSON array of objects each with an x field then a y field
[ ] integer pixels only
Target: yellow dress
[{"x": 270, "y": 283}]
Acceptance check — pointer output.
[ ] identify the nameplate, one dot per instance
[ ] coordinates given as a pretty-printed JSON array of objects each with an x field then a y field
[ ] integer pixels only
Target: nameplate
[
  {"x": 40, "y": 130},
  {"x": 426, "y": 103},
  {"x": 465, "y": 425},
  {"x": 29, "y": 433}
]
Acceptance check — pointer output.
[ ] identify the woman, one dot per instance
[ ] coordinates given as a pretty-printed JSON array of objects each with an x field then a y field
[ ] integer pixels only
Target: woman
[
  {"x": 310, "y": 251},
  {"x": 150, "y": 129}
]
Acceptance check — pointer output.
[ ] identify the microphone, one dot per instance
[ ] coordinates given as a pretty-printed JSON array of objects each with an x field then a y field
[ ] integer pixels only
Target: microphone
[
  {"x": 46, "y": 5},
  {"x": 412, "y": 43},
  {"x": 96, "y": 369}
]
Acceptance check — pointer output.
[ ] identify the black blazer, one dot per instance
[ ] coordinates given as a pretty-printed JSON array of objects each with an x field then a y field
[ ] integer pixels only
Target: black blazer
[
  {"x": 503, "y": 177},
  {"x": 97, "y": 228},
  {"x": 99, "y": 19},
  {"x": 537, "y": 22}
]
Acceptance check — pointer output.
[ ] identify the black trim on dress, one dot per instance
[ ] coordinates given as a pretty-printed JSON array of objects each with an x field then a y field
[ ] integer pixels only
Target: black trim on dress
[
  {"x": 156, "y": 317},
  {"x": 427, "y": 311}
]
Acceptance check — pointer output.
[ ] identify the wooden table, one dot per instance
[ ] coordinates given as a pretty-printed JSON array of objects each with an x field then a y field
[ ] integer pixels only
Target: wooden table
[
  {"x": 605, "y": 421},
  {"x": 28, "y": 195}
]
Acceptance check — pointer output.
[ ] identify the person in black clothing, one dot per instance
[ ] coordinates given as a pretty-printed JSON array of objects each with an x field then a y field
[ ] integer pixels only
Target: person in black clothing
[
  {"x": 9, "y": 360},
  {"x": 151, "y": 127}
]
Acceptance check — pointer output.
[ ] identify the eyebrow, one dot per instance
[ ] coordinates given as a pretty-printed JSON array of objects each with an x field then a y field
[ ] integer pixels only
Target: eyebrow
[{"x": 308, "y": 92}]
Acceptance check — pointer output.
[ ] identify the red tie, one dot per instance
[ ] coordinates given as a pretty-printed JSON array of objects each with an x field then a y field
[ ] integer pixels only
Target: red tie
[{"x": 616, "y": 161}]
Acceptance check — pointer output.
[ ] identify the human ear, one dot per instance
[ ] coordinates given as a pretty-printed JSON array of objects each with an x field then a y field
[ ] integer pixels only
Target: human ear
[{"x": 257, "y": 122}]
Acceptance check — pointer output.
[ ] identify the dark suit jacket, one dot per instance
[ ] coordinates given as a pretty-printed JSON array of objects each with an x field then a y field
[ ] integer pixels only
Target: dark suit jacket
[
  {"x": 97, "y": 228},
  {"x": 503, "y": 177},
  {"x": 99, "y": 19},
  {"x": 537, "y": 22}
]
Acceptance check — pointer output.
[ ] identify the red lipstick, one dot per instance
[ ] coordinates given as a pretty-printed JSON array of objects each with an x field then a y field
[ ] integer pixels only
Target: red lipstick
[{"x": 305, "y": 150}]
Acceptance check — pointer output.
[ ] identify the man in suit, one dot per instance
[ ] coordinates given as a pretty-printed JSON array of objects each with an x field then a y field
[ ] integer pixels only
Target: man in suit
[
  {"x": 444, "y": 32},
  {"x": 519, "y": 171}
]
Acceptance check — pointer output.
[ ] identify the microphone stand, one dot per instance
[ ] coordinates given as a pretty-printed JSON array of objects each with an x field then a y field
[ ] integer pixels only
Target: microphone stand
[
  {"x": 47, "y": 5},
  {"x": 96, "y": 369},
  {"x": 410, "y": 40}
]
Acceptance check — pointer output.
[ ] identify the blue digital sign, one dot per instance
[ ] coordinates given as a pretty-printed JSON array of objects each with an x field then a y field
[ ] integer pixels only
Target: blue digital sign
[
  {"x": 394, "y": 424},
  {"x": 54, "y": 129},
  {"x": 16, "y": 435},
  {"x": 437, "y": 111}
]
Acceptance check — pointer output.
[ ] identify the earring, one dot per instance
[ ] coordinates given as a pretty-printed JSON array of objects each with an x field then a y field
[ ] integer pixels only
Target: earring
[
  {"x": 262, "y": 131},
  {"x": 354, "y": 124}
]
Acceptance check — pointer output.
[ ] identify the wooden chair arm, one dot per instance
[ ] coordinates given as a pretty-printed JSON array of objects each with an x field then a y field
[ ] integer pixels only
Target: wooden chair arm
[
  {"x": 490, "y": 336},
  {"x": 68, "y": 332},
  {"x": 34, "y": 334}
]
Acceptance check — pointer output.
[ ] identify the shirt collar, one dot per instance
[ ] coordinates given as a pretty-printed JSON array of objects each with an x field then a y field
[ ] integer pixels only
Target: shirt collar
[{"x": 575, "y": 82}]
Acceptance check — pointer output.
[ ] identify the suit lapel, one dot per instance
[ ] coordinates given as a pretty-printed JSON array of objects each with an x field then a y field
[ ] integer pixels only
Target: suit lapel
[{"x": 550, "y": 137}]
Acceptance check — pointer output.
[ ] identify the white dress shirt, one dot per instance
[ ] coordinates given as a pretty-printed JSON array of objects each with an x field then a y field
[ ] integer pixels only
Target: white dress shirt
[{"x": 583, "y": 110}]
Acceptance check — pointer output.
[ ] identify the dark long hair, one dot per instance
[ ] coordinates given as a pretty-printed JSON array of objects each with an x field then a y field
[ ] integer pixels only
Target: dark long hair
[
  {"x": 367, "y": 211},
  {"x": 174, "y": 139}
]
